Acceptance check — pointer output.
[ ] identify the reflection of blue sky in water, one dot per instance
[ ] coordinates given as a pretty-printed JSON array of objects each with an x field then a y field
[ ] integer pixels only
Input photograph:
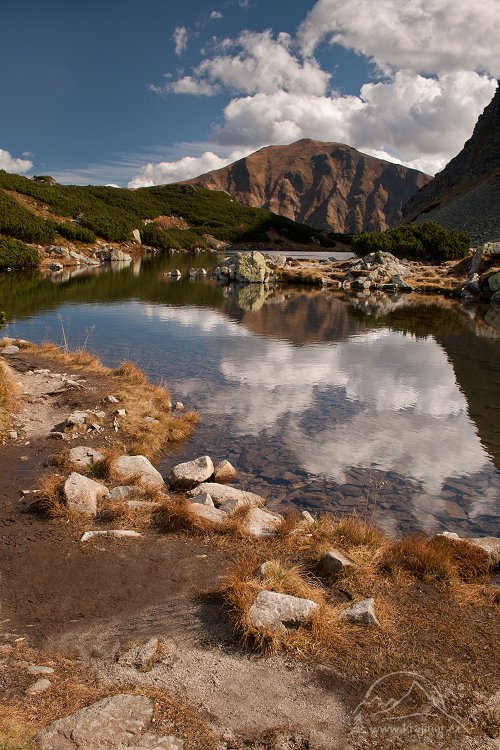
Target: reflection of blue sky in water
[{"x": 406, "y": 413}]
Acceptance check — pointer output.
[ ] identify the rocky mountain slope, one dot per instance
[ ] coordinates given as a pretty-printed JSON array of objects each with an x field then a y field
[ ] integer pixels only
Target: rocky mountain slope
[
  {"x": 466, "y": 194},
  {"x": 325, "y": 185}
]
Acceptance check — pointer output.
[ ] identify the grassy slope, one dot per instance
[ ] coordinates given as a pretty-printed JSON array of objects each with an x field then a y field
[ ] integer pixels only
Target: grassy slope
[{"x": 112, "y": 213}]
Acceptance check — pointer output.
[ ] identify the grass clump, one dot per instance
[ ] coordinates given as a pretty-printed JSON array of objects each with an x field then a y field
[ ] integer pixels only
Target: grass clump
[
  {"x": 15, "y": 254},
  {"x": 426, "y": 242},
  {"x": 436, "y": 560},
  {"x": 8, "y": 392}
]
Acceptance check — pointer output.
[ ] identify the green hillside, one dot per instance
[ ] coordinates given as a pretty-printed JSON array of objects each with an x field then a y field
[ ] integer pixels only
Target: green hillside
[{"x": 84, "y": 213}]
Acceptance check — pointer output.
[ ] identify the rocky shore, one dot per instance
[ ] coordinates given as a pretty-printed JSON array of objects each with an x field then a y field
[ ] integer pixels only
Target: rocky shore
[{"x": 130, "y": 622}]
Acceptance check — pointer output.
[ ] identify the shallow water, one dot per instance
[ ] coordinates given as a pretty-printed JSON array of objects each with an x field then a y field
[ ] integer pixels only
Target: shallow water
[{"x": 386, "y": 406}]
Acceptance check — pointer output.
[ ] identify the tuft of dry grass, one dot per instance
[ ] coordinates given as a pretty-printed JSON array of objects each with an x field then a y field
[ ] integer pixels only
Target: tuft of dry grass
[
  {"x": 8, "y": 393},
  {"x": 51, "y": 501},
  {"x": 175, "y": 516},
  {"x": 436, "y": 560}
]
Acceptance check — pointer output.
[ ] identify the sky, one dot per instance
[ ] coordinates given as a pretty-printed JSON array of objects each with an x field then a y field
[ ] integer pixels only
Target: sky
[{"x": 144, "y": 92}]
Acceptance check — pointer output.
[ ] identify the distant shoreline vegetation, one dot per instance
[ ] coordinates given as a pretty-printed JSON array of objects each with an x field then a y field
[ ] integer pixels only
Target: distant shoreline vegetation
[{"x": 424, "y": 242}]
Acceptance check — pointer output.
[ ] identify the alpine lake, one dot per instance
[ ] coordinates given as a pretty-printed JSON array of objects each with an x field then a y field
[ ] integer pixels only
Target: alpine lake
[{"x": 384, "y": 406}]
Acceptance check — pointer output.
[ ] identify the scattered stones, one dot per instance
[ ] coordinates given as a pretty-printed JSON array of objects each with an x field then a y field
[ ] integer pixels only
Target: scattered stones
[
  {"x": 191, "y": 473},
  {"x": 260, "y": 523},
  {"x": 224, "y": 472},
  {"x": 141, "y": 657},
  {"x": 220, "y": 493},
  {"x": 40, "y": 686},
  {"x": 175, "y": 274},
  {"x": 84, "y": 457},
  {"x": 136, "y": 469},
  {"x": 203, "y": 499},
  {"x": 361, "y": 613},
  {"x": 116, "y": 533},
  {"x": 278, "y": 611},
  {"x": 334, "y": 562},
  {"x": 82, "y": 494}
]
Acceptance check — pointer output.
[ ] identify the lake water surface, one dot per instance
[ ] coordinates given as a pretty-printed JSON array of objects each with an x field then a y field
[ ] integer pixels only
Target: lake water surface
[{"x": 385, "y": 406}]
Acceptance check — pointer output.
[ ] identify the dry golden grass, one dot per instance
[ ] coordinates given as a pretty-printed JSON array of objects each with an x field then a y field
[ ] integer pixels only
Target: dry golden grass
[
  {"x": 8, "y": 393},
  {"x": 73, "y": 687},
  {"x": 50, "y": 501},
  {"x": 438, "y": 559},
  {"x": 176, "y": 516}
]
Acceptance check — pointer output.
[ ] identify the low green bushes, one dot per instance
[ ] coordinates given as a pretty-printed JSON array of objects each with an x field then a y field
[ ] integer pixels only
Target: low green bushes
[
  {"x": 75, "y": 232},
  {"x": 15, "y": 254},
  {"x": 16, "y": 221},
  {"x": 427, "y": 241}
]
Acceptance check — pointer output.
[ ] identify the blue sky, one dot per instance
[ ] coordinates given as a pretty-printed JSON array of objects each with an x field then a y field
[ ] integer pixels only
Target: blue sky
[{"x": 141, "y": 92}]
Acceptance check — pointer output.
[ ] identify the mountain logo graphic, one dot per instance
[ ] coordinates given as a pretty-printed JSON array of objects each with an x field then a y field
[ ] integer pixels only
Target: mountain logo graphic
[{"x": 403, "y": 697}]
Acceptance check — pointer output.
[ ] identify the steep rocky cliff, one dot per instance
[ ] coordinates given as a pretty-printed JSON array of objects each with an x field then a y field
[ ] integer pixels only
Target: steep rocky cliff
[
  {"x": 325, "y": 185},
  {"x": 466, "y": 194}
]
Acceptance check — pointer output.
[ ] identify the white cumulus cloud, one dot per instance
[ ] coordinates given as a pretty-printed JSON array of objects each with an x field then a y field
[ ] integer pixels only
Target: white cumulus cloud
[
  {"x": 426, "y": 36},
  {"x": 12, "y": 164},
  {"x": 165, "y": 172}
]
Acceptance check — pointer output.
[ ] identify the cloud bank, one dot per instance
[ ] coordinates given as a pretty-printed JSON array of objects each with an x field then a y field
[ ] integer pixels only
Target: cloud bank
[{"x": 12, "y": 164}]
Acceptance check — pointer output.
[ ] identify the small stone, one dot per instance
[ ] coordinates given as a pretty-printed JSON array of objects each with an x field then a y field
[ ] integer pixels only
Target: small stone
[
  {"x": 361, "y": 613},
  {"x": 112, "y": 400},
  {"x": 203, "y": 499},
  {"x": 179, "y": 406},
  {"x": 308, "y": 518},
  {"x": 13, "y": 434},
  {"x": 191, "y": 473},
  {"x": 39, "y": 686},
  {"x": 121, "y": 493},
  {"x": 84, "y": 457},
  {"x": 9, "y": 350},
  {"x": 116, "y": 533},
  {"x": 77, "y": 418},
  {"x": 224, "y": 472},
  {"x": 334, "y": 562},
  {"x": 82, "y": 494},
  {"x": 141, "y": 657},
  {"x": 121, "y": 413},
  {"x": 34, "y": 669},
  {"x": 276, "y": 611}
]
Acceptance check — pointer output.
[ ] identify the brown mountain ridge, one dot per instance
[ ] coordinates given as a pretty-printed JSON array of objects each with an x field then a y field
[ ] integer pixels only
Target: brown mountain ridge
[
  {"x": 328, "y": 186},
  {"x": 466, "y": 194}
]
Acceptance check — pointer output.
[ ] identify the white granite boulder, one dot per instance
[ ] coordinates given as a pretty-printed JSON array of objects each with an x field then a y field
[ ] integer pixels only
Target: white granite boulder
[
  {"x": 83, "y": 456},
  {"x": 220, "y": 493},
  {"x": 277, "y": 611},
  {"x": 82, "y": 494},
  {"x": 361, "y": 613},
  {"x": 190, "y": 474},
  {"x": 136, "y": 469}
]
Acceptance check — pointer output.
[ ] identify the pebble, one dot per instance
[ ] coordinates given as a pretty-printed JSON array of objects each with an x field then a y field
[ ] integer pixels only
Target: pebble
[{"x": 39, "y": 686}]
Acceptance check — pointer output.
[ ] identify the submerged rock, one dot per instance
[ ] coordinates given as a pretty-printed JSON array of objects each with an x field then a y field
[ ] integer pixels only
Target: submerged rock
[{"x": 276, "y": 611}]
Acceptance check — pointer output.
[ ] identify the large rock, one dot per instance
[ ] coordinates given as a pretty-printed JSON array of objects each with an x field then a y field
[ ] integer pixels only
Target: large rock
[
  {"x": 114, "y": 723},
  {"x": 245, "y": 268},
  {"x": 220, "y": 493},
  {"x": 207, "y": 513},
  {"x": 187, "y": 475},
  {"x": 260, "y": 523},
  {"x": 136, "y": 469},
  {"x": 82, "y": 494},
  {"x": 83, "y": 456},
  {"x": 118, "y": 256},
  {"x": 361, "y": 613},
  {"x": 494, "y": 282},
  {"x": 276, "y": 611}
]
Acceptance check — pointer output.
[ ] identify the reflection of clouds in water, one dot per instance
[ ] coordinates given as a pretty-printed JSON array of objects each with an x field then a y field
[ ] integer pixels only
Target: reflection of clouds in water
[
  {"x": 202, "y": 319},
  {"x": 413, "y": 417}
]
